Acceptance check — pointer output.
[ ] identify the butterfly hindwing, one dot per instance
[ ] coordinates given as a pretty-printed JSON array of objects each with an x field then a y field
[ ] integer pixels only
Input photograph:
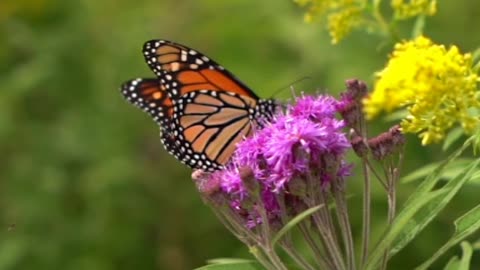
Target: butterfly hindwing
[{"x": 203, "y": 111}]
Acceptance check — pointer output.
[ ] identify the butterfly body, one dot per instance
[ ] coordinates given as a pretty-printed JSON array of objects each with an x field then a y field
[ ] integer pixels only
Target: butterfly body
[{"x": 201, "y": 108}]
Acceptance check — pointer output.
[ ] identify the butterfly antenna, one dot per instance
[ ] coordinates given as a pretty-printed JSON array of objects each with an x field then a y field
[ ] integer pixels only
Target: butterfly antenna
[{"x": 290, "y": 85}]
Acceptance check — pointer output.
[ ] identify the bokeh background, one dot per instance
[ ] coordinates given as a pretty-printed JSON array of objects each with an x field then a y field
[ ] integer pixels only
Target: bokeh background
[{"x": 84, "y": 180}]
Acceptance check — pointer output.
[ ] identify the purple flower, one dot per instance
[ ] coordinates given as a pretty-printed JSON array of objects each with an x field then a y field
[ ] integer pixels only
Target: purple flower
[
  {"x": 294, "y": 142},
  {"x": 271, "y": 208},
  {"x": 314, "y": 108},
  {"x": 306, "y": 140},
  {"x": 249, "y": 153},
  {"x": 231, "y": 182}
]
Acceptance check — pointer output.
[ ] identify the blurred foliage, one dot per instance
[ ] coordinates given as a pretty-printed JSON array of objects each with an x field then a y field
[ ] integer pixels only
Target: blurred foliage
[{"x": 84, "y": 181}]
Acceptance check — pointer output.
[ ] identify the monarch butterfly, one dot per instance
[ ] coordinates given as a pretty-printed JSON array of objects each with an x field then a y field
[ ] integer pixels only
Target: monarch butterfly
[{"x": 201, "y": 108}]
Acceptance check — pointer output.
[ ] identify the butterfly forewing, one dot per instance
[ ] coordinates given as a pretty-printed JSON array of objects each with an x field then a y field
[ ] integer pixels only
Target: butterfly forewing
[
  {"x": 184, "y": 70},
  {"x": 151, "y": 97}
]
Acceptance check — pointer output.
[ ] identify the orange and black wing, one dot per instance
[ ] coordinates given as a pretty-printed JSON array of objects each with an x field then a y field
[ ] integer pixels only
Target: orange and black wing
[
  {"x": 148, "y": 95},
  {"x": 208, "y": 124},
  {"x": 151, "y": 97},
  {"x": 202, "y": 109},
  {"x": 182, "y": 70}
]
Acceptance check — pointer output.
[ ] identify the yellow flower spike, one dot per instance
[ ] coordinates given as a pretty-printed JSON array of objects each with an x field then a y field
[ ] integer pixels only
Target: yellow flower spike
[
  {"x": 405, "y": 9},
  {"x": 343, "y": 22},
  {"x": 438, "y": 86}
]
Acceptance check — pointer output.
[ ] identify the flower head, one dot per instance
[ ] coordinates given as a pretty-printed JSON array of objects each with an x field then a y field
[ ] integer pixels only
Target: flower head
[
  {"x": 305, "y": 140},
  {"x": 437, "y": 85},
  {"x": 294, "y": 142},
  {"x": 297, "y": 144},
  {"x": 314, "y": 108}
]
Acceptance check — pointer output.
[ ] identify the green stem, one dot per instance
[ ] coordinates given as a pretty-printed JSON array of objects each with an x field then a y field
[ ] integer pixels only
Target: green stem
[
  {"x": 258, "y": 254},
  {"x": 342, "y": 214},
  {"x": 330, "y": 243},
  {"x": 266, "y": 235},
  {"x": 297, "y": 257},
  {"x": 392, "y": 205},
  {"x": 384, "y": 26},
  {"x": 317, "y": 252},
  {"x": 366, "y": 212}
]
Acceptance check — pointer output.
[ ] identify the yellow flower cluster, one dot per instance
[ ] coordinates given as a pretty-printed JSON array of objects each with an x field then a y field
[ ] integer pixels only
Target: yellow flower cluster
[
  {"x": 343, "y": 15},
  {"x": 341, "y": 23},
  {"x": 315, "y": 8},
  {"x": 437, "y": 85},
  {"x": 405, "y": 9}
]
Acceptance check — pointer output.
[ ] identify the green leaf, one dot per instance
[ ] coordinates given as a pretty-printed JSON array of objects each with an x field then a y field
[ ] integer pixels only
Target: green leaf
[
  {"x": 228, "y": 260},
  {"x": 425, "y": 215},
  {"x": 419, "y": 173},
  {"x": 476, "y": 138},
  {"x": 476, "y": 245},
  {"x": 467, "y": 251},
  {"x": 432, "y": 179},
  {"x": 396, "y": 116},
  {"x": 452, "y": 137},
  {"x": 468, "y": 223},
  {"x": 453, "y": 264},
  {"x": 476, "y": 57},
  {"x": 464, "y": 226},
  {"x": 398, "y": 225},
  {"x": 450, "y": 171},
  {"x": 297, "y": 219},
  {"x": 233, "y": 266},
  {"x": 475, "y": 179}
]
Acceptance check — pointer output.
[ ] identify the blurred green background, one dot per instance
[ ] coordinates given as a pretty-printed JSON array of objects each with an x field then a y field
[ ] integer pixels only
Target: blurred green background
[{"x": 84, "y": 180}]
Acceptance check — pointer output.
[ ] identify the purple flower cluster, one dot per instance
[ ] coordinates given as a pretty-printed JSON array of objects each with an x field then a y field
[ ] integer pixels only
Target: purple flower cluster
[{"x": 305, "y": 140}]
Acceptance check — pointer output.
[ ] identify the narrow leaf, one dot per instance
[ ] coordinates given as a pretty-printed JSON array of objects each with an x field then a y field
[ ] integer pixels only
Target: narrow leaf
[
  {"x": 432, "y": 209},
  {"x": 468, "y": 223},
  {"x": 453, "y": 264},
  {"x": 475, "y": 178},
  {"x": 467, "y": 251},
  {"x": 452, "y": 137},
  {"x": 453, "y": 169},
  {"x": 395, "y": 116},
  {"x": 476, "y": 245},
  {"x": 464, "y": 226},
  {"x": 433, "y": 178},
  {"x": 227, "y": 260},
  {"x": 233, "y": 266},
  {"x": 476, "y": 55},
  {"x": 297, "y": 219},
  {"x": 419, "y": 173},
  {"x": 398, "y": 224}
]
